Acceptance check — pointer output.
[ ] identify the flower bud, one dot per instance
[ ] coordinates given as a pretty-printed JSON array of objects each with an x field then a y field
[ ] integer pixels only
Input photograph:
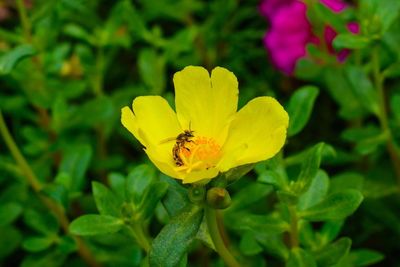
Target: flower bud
[
  {"x": 218, "y": 198},
  {"x": 197, "y": 194}
]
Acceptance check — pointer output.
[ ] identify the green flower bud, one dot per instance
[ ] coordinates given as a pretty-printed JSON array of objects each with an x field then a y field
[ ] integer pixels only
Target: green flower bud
[
  {"x": 218, "y": 198},
  {"x": 197, "y": 194}
]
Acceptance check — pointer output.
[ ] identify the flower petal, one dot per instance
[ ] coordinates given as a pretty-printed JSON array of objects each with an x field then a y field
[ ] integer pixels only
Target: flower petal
[
  {"x": 197, "y": 176},
  {"x": 164, "y": 164},
  {"x": 153, "y": 123},
  {"x": 203, "y": 103},
  {"x": 128, "y": 120},
  {"x": 257, "y": 133}
]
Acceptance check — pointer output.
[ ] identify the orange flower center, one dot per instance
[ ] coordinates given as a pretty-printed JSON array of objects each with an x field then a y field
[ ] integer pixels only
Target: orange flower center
[{"x": 199, "y": 153}]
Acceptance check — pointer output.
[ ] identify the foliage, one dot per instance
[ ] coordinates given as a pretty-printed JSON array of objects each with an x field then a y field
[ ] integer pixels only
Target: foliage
[{"x": 76, "y": 189}]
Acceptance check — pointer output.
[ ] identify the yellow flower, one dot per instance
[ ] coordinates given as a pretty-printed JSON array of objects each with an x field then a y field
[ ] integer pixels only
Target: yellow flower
[{"x": 218, "y": 137}]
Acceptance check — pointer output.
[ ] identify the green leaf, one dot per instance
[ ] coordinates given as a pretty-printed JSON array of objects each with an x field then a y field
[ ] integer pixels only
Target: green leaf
[
  {"x": 57, "y": 192},
  {"x": 236, "y": 173},
  {"x": 9, "y": 60},
  {"x": 300, "y": 107},
  {"x": 118, "y": 184},
  {"x": 363, "y": 88},
  {"x": 346, "y": 180},
  {"x": 138, "y": 181},
  {"x": 174, "y": 240},
  {"x": 176, "y": 198},
  {"x": 10, "y": 240},
  {"x": 204, "y": 235},
  {"x": 335, "y": 207},
  {"x": 388, "y": 12},
  {"x": 274, "y": 245},
  {"x": 75, "y": 163},
  {"x": 94, "y": 224},
  {"x": 106, "y": 201},
  {"x": 9, "y": 212},
  {"x": 249, "y": 245},
  {"x": 258, "y": 224},
  {"x": 249, "y": 195},
  {"x": 395, "y": 106},
  {"x": 78, "y": 32},
  {"x": 151, "y": 198},
  {"x": 330, "y": 230},
  {"x": 350, "y": 40},
  {"x": 37, "y": 243},
  {"x": 152, "y": 70},
  {"x": 316, "y": 192},
  {"x": 52, "y": 258},
  {"x": 333, "y": 253},
  {"x": 298, "y": 257},
  {"x": 42, "y": 222},
  {"x": 365, "y": 257},
  {"x": 309, "y": 168},
  {"x": 273, "y": 178},
  {"x": 340, "y": 90}
]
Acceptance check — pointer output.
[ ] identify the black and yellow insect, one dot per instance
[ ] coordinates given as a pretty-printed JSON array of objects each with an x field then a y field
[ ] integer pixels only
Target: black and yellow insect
[{"x": 181, "y": 140}]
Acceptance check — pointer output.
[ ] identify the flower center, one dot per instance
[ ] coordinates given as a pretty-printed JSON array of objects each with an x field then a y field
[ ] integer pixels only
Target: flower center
[{"x": 199, "y": 153}]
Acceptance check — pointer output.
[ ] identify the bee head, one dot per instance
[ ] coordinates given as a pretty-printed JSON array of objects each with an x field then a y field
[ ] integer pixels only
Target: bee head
[{"x": 188, "y": 133}]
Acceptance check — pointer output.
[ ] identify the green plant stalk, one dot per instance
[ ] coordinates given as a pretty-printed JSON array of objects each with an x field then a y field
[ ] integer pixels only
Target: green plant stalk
[
  {"x": 141, "y": 238},
  {"x": 211, "y": 218},
  {"x": 36, "y": 185},
  {"x": 26, "y": 24},
  {"x": 379, "y": 80},
  {"x": 294, "y": 228}
]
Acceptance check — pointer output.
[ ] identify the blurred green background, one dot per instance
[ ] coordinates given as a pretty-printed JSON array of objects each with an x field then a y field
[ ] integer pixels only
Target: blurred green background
[{"x": 68, "y": 66}]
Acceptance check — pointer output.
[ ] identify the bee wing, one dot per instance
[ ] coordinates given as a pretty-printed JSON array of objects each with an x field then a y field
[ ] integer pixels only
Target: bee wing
[{"x": 166, "y": 140}]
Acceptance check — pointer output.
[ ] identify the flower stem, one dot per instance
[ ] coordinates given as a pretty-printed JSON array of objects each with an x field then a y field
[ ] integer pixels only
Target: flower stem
[
  {"x": 37, "y": 186},
  {"x": 26, "y": 24},
  {"x": 140, "y": 236},
  {"x": 294, "y": 230},
  {"x": 211, "y": 218},
  {"x": 383, "y": 115}
]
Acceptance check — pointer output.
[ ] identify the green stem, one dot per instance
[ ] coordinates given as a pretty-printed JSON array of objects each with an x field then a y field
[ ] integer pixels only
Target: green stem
[
  {"x": 36, "y": 185},
  {"x": 26, "y": 24},
  {"x": 141, "y": 238},
  {"x": 383, "y": 115},
  {"x": 294, "y": 228},
  {"x": 19, "y": 158},
  {"x": 211, "y": 218},
  {"x": 99, "y": 71}
]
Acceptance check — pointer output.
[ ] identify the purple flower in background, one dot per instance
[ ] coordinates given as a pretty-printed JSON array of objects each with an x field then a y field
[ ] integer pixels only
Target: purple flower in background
[
  {"x": 269, "y": 8},
  {"x": 288, "y": 36},
  {"x": 290, "y": 31},
  {"x": 335, "y": 5}
]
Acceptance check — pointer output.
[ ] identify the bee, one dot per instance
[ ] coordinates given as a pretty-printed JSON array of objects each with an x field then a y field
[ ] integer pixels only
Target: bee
[{"x": 180, "y": 142}]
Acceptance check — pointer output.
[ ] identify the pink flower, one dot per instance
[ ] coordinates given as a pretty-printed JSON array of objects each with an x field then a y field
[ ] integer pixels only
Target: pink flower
[
  {"x": 268, "y": 8},
  {"x": 335, "y": 5},
  {"x": 290, "y": 31}
]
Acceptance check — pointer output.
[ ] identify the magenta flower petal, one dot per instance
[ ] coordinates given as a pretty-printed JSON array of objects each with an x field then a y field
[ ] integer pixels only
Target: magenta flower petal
[
  {"x": 335, "y": 5},
  {"x": 353, "y": 27},
  {"x": 288, "y": 36},
  {"x": 269, "y": 7}
]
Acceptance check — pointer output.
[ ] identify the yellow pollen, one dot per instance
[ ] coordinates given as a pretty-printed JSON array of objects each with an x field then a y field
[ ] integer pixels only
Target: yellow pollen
[{"x": 200, "y": 153}]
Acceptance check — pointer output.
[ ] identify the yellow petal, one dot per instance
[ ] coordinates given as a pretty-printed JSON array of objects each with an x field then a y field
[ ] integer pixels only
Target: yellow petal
[
  {"x": 257, "y": 133},
  {"x": 197, "y": 176},
  {"x": 164, "y": 164},
  {"x": 153, "y": 123},
  {"x": 205, "y": 103},
  {"x": 128, "y": 120}
]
